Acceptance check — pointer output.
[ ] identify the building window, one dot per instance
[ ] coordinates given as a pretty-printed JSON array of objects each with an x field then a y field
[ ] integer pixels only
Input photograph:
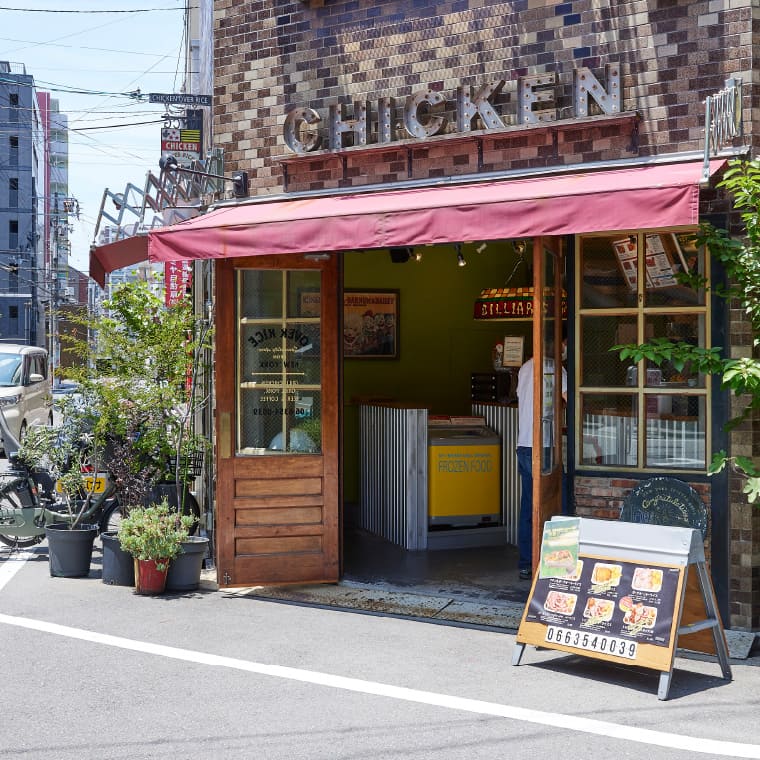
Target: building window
[
  {"x": 13, "y": 151},
  {"x": 13, "y": 234},
  {"x": 13, "y": 192},
  {"x": 632, "y": 288},
  {"x": 13, "y": 107}
]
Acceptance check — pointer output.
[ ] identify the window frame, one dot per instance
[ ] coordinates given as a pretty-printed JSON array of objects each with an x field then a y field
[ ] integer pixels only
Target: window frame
[{"x": 641, "y": 312}]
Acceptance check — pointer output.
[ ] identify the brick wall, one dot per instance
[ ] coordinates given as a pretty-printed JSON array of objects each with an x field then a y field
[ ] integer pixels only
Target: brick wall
[{"x": 273, "y": 56}]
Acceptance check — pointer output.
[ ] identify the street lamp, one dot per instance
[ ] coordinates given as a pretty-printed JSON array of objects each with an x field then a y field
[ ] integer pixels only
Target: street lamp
[{"x": 239, "y": 179}]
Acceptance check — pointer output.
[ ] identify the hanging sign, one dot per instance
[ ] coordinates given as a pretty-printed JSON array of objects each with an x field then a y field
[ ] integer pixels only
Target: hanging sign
[
  {"x": 502, "y": 303},
  {"x": 179, "y": 99},
  {"x": 183, "y": 144}
]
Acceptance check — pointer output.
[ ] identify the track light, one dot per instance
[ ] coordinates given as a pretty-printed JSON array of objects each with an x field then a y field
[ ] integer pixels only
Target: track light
[
  {"x": 481, "y": 247},
  {"x": 403, "y": 254},
  {"x": 461, "y": 261}
]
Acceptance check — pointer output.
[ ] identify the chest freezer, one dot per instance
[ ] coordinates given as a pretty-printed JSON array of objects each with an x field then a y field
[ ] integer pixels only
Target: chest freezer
[{"x": 464, "y": 476}]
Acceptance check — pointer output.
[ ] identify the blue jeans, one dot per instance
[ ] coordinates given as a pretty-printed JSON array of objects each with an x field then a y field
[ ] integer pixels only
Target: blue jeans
[{"x": 525, "y": 523}]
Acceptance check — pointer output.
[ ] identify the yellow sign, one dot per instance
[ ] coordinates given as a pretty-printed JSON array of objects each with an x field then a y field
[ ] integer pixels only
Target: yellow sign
[{"x": 91, "y": 484}]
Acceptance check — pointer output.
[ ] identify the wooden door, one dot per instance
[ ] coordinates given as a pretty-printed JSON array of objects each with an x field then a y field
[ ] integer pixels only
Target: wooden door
[
  {"x": 548, "y": 282},
  {"x": 277, "y": 442}
]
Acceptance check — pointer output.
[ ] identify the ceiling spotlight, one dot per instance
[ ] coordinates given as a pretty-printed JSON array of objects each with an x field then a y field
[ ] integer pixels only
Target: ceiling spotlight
[
  {"x": 400, "y": 255},
  {"x": 461, "y": 261},
  {"x": 415, "y": 255},
  {"x": 519, "y": 246},
  {"x": 481, "y": 247}
]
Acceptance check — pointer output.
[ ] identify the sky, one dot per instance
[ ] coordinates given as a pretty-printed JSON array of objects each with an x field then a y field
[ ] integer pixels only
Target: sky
[{"x": 96, "y": 47}]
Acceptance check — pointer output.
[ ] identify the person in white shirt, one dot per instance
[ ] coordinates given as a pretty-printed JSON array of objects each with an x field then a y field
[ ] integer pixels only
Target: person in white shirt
[{"x": 525, "y": 450}]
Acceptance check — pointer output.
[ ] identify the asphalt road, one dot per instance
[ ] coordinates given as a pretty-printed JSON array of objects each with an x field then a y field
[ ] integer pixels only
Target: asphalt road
[{"x": 95, "y": 671}]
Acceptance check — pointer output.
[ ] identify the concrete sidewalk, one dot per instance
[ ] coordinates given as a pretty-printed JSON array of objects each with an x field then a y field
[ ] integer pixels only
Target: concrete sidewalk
[{"x": 419, "y": 603}]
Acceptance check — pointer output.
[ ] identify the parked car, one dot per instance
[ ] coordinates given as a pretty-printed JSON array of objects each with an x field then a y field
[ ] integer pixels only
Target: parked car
[
  {"x": 26, "y": 395},
  {"x": 64, "y": 388}
]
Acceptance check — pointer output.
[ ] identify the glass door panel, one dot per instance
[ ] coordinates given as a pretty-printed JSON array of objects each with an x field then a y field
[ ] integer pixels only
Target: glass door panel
[{"x": 279, "y": 363}]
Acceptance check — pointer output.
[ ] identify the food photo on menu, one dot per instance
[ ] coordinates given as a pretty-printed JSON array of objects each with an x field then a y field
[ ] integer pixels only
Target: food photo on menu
[
  {"x": 606, "y": 576},
  {"x": 598, "y": 611},
  {"x": 559, "y": 547}
]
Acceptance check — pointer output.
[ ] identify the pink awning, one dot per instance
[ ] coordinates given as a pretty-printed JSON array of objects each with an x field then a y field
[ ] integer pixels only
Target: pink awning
[{"x": 662, "y": 195}]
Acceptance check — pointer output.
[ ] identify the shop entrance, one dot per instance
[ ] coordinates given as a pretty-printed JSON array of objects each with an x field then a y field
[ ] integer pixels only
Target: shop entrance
[
  {"x": 425, "y": 381},
  {"x": 277, "y": 417}
]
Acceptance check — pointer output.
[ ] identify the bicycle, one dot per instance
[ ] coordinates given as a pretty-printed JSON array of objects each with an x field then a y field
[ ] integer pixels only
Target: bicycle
[{"x": 30, "y": 500}]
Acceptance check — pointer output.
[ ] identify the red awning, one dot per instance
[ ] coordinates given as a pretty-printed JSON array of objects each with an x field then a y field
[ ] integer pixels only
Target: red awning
[
  {"x": 122, "y": 253},
  {"x": 661, "y": 195}
]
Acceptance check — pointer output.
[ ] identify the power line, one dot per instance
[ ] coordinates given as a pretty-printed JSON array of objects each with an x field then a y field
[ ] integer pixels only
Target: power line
[
  {"x": 117, "y": 126},
  {"x": 82, "y": 47},
  {"x": 51, "y": 10}
]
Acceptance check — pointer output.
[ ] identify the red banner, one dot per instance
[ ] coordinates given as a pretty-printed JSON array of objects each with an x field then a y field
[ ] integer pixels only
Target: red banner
[{"x": 178, "y": 277}]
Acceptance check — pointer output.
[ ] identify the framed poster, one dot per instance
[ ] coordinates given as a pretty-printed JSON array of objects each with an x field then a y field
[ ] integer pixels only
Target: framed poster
[
  {"x": 512, "y": 355},
  {"x": 370, "y": 324}
]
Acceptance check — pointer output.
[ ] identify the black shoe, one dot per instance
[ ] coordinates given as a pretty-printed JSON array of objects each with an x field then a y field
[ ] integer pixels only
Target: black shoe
[{"x": 525, "y": 575}]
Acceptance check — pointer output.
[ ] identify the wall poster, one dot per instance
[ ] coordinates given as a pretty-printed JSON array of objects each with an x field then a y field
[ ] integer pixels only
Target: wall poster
[{"x": 370, "y": 324}]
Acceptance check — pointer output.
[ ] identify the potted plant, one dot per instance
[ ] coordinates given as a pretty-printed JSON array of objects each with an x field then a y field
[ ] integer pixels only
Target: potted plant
[
  {"x": 133, "y": 482},
  {"x": 140, "y": 362},
  {"x": 153, "y": 535},
  {"x": 144, "y": 359},
  {"x": 63, "y": 452}
]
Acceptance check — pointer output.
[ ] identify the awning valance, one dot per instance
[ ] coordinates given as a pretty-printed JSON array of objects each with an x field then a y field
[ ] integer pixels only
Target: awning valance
[{"x": 642, "y": 197}]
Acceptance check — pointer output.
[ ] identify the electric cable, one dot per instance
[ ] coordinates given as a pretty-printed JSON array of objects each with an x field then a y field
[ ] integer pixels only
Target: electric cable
[{"x": 100, "y": 11}]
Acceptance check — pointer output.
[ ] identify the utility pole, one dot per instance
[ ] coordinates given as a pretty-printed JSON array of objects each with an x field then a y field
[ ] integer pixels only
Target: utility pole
[{"x": 54, "y": 301}]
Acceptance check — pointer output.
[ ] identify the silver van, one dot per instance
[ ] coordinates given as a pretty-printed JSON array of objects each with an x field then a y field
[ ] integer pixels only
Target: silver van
[{"x": 26, "y": 394}]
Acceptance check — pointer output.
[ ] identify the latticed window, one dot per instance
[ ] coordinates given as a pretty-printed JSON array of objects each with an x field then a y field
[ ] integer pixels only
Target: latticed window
[
  {"x": 279, "y": 397},
  {"x": 632, "y": 288}
]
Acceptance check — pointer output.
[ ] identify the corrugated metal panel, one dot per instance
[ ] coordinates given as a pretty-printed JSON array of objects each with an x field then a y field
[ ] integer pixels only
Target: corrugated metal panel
[
  {"x": 393, "y": 459},
  {"x": 503, "y": 419}
]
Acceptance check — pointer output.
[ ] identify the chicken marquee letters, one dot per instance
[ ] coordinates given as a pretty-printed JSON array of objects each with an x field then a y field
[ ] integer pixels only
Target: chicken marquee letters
[{"x": 423, "y": 117}]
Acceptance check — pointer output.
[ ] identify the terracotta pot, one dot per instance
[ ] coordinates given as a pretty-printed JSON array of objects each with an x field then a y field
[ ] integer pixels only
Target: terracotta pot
[{"x": 148, "y": 578}]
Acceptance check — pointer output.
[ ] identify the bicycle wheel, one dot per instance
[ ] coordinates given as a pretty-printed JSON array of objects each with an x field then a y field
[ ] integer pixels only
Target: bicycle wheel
[
  {"x": 19, "y": 542},
  {"x": 10, "y": 499},
  {"x": 111, "y": 519}
]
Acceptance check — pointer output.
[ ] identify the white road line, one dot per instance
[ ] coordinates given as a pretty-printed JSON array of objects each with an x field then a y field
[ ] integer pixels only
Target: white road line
[
  {"x": 556, "y": 720},
  {"x": 12, "y": 563}
]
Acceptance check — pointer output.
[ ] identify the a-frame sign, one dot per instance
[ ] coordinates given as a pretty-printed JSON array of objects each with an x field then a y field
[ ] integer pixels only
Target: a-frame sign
[{"x": 636, "y": 594}]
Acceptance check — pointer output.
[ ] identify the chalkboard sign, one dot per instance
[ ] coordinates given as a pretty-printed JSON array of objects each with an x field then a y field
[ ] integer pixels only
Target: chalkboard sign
[{"x": 665, "y": 501}]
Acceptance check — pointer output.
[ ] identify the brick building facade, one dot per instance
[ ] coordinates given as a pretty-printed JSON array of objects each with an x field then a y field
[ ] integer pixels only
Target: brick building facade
[{"x": 272, "y": 57}]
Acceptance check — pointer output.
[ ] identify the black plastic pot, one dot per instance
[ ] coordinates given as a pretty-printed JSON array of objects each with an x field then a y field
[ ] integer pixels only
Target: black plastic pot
[
  {"x": 118, "y": 565},
  {"x": 185, "y": 569},
  {"x": 70, "y": 550}
]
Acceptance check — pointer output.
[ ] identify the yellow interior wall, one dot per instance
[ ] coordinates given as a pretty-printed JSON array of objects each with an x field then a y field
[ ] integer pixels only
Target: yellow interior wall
[{"x": 440, "y": 344}]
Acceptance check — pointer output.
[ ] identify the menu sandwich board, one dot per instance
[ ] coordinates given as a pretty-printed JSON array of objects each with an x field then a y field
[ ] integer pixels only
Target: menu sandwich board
[{"x": 628, "y": 599}]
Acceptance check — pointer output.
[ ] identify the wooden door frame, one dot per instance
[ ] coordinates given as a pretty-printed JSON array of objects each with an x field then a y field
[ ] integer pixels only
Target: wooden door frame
[
  {"x": 326, "y": 465},
  {"x": 547, "y": 487}
]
